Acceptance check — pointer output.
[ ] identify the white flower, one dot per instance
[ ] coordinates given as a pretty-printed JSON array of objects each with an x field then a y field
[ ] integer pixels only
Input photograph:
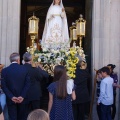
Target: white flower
[
  {"x": 39, "y": 60},
  {"x": 44, "y": 49},
  {"x": 67, "y": 53},
  {"x": 36, "y": 54},
  {"x": 55, "y": 51},
  {"x": 28, "y": 48},
  {"x": 52, "y": 50},
  {"x": 83, "y": 55},
  {"x": 39, "y": 54},
  {"x": 59, "y": 59},
  {"x": 49, "y": 54}
]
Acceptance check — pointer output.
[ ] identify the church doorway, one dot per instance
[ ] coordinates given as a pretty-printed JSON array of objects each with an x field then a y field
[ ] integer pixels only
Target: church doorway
[
  {"x": 73, "y": 9},
  {"x": 39, "y": 8}
]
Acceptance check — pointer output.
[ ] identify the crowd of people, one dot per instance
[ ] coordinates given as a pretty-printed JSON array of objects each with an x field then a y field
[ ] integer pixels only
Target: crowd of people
[
  {"x": 20, "y": 87},
  {"x": 68, "y": 99},
  {"x": 106, "y": 92},
  {"x": 21, "y": 84}
]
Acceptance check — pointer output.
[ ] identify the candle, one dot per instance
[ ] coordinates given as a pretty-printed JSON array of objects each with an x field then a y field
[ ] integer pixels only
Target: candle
[{"x": 74, "y": 34}]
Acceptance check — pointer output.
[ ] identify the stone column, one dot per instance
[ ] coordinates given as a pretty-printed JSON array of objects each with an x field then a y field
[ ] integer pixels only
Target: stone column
[
  {"x": 106, "y": 36},
  {"x": 9, "y": 28}
]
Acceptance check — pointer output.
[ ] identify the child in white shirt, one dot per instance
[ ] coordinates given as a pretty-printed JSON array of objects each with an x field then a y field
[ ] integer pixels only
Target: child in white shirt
[{"x": 106, "y": 94}]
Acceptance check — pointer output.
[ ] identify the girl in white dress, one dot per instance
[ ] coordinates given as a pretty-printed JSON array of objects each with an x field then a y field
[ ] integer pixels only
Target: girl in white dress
[{"x": 55, "y": 34}]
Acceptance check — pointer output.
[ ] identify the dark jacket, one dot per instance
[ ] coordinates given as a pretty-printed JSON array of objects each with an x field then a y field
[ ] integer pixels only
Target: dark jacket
[
  {"x": 81, "y": 79},
  {"x": 36, "y": 76},
  {"x": 15, "y": 82},
  {"x": 115, "y": 78}
]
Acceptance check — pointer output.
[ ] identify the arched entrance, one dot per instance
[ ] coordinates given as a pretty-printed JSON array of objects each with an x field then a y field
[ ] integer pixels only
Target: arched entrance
[{"x": 40, "y": 8}]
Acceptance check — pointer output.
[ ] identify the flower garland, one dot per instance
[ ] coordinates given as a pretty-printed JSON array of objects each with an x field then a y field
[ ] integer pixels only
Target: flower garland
[
  {"x": 68, "y": 58},
  {"x": 71, "y": 62}
]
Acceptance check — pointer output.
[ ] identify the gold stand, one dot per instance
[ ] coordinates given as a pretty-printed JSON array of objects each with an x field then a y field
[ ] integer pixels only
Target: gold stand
[
  {"x": 93, "y": 95},
  {"x": 32, "y": 50},
  {"x": 80, "y": 41},
  {"x": 32, "y": 47}
]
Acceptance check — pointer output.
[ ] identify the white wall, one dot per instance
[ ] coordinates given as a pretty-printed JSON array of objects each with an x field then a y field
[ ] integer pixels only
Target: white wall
[
  {"x": 106, "y": 35},
  {"x": 9, "y": 29}
]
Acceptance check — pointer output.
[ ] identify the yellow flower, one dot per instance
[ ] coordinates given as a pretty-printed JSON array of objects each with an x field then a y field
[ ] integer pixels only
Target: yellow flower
[
  {"x": 72, "y": 49},
  {"x": 71, "y": 65},
  {"x": 70, "y": 75},
  {"x": 73, "y": 76},
  {"x": 71, "y": 69},
  {"x": 69, "y": 57},
  {"x": 71, "y": 62}
]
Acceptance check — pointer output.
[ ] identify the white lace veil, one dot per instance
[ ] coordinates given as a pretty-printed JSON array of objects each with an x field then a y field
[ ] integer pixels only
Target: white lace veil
[
  {"x": 61, "y": 4},
  {"x": 65, "y": 25}
]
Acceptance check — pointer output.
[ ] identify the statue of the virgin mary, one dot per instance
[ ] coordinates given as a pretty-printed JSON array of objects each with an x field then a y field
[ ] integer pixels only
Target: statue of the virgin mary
[{"x": 55, "y": 34}]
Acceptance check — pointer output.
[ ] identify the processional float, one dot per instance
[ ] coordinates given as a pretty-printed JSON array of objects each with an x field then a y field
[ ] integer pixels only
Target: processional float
[{"x": 67, "y": 57}]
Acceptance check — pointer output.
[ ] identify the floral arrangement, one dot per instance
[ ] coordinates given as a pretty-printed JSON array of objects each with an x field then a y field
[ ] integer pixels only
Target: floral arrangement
[
  {"x": 71, "y": 62},
  {"x": 69, "y": 58}
]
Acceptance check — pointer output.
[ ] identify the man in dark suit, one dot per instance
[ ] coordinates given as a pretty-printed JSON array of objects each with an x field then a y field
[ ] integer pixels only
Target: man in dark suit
[
  {"x": 36, "y": 76},
  {"x": 15, "y": 85}
]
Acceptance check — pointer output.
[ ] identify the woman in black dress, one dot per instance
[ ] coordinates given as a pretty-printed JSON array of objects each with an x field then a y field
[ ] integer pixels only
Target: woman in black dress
[{"x": 82, "y": 102}]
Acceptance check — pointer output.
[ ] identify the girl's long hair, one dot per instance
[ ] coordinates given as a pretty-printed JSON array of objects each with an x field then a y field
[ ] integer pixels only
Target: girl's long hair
[{"x": 61, "y": 77}]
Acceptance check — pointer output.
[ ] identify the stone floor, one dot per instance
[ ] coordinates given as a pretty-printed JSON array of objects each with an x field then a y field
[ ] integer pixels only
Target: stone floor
[
  {"x": 94, "y": 114},
  {"x": 95, "y": 117}
]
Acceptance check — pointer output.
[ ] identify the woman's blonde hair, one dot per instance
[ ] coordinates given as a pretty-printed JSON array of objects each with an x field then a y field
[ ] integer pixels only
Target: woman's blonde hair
[{"x": 38, "y": 114}]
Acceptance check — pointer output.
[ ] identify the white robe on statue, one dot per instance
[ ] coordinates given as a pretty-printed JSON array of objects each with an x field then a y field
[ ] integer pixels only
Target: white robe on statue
[{"x": 55, "y": 34}]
